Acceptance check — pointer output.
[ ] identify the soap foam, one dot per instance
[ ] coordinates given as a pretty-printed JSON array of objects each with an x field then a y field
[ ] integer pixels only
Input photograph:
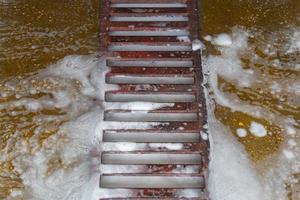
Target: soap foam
[
  {"x": 294, "y": 44},
  {"x": 231, "y": 173},
  {"x": 241, "y": 132},
  {"x": 257, "y": 129},
  {"x": 222, "y": 39}
]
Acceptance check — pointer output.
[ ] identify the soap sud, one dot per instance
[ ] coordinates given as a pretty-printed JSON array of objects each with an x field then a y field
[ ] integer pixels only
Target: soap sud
[
  {"x": 288, "y": 154},
  {"x": 188, "y": 193},
  {"x": 62, "y": 184},
  {"x": 257, "y": 129},
  {"x": 231, "y": 174},
  {"x": 204, "y": 135},
  {"x": 294, "y": 88},
  {"x": 234, "y": 176},
  {"x": 222, "y": 39},
  {"x": 186, "y": 169},
  {"x": 169, "y": 146},
  {"x": 122, "y": 146},
  {"x": 291, "y": 130},
  {"x": 241, "y": 132},
  {"x": 145, "y": 106},
  {"x": 109, "y": 169},
  {"x": 229, "y": 65},
  {"x": 275, "y": 88},
  {"x": 109, "y": 193},
  {"x": 292, "y": 143},
  {"x": 207, "y": 38},
  {"x": 294, "y": 43},
  {"x": 82, "y": 132},
  {"x": 197, "y": 45}
]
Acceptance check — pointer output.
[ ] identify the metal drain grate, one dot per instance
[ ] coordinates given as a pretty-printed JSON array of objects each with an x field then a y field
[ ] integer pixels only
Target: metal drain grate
[{"x": 148, "y": 45}]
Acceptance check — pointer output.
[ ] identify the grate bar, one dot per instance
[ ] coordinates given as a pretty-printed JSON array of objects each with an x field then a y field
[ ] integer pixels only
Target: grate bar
[
  {"x": 150, "y": 63},
  {"x": 148, "y": 5},
  {"x": 145, "y": 116},
  {"x": 150, "y": 79},
  {"x": 150, "y": 33},
  {"x": 143, "y": 136},
  {"x": 151, "y": 158},
  {"x": 140, "y": 181},
  {"x": 149, "y": 97},
  {"x": 150, "y": 47},
  {"x": 150, "y": 18}
]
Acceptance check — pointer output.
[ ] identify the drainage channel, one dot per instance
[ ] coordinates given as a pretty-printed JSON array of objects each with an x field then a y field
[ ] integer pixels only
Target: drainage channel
[{"x": 148, "y": 48}]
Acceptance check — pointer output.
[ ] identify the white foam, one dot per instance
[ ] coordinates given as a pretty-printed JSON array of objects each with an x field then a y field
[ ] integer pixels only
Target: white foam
[
  {"x": 292, "y": 143},
  {"x": 222, "y": 39},
  {"x": 258, "y": 129},
  {"x": 231, "y": 174},
  {"x": 204, "y": 135},
  {"x": 62, "y": 184},
  {"x": 122, "y": 146},
  {"x": 197, "y": 45},
  {"x": 241, "y": 132},
  {"x": 291, "y": 130},
  {"x": 188, "y": 193},
  {"x": 228, "y": 65},
  {"x": 207, "y": 38},
  {"x": 81, "y": 134},
  {"x": 231, "y": 177},
  {"x": 294, "y": 87},
  {"x": 146, "y": 106},
  {"x": 288, "y": 154},
  {"x": 169, "y": 146},
  {"x": 294, "y": 43}
]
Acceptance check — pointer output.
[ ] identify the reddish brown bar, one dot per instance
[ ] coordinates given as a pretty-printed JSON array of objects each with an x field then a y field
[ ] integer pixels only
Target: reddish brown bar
[{"x": 148, "y": 47}]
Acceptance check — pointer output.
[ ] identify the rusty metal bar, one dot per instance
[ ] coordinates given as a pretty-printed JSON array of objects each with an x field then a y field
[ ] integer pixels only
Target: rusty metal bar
[{"x": 148, "y": 47}]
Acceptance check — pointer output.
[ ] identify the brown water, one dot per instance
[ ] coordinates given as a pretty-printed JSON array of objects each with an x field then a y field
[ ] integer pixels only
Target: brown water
[{"x": 36, "y": 33}]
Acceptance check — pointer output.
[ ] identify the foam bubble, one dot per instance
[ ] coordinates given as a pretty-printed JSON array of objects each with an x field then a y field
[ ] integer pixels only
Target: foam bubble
[
  {"x": 197, "y": 45},
  {"x": 291, "y": 130},
  {"x": 222, "y": 39},
  {"x": 241, "y": 132},
  {"x": 170, "y": 146},
  {"x": 294, "y": 44},
  {"x": 207, "y": 38},
  {"x": 228, "y": 65},
  {"x": 288, "y": 154},
  {"x": 257, "y": 129}
]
